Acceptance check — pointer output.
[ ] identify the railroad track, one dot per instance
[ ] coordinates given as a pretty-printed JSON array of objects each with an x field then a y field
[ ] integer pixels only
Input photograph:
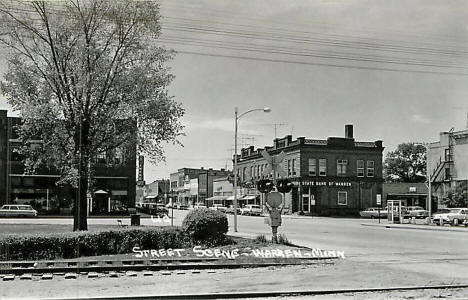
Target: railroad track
[{"x": 41, "y": 267}]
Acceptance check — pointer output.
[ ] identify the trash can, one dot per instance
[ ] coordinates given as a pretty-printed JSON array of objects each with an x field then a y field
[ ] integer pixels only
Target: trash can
[{"x": 135, "y": 220}]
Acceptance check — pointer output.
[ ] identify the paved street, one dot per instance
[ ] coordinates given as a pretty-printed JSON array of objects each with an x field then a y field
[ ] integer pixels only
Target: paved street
[
  {"x": 375, "y": 257},
  {"x": 440, "y": 254}
]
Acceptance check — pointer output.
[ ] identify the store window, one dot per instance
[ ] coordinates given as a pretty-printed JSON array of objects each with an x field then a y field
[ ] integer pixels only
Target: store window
[
  {"x": 312, "y": 167},
  {"x": 370, "y": 168},
  {"x": 341, "y": 167},
  {"x": 360, "y": 168},
  {"x": 322, "y": 167},
  {"x": 342, "y": 198}
]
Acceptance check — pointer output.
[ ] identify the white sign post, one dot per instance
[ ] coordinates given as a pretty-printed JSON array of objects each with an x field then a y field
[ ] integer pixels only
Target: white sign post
[{"x": 379, "y": 203}]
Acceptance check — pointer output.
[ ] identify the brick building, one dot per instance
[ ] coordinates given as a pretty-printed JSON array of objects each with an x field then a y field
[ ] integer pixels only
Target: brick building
[
  {"x": 113, "y": 182},
  {"x": 334, "y": 176},
  {"x": 194, "y": 185}
]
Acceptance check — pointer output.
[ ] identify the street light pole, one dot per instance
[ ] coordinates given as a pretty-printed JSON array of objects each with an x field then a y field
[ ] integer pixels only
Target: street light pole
[
  {"x": 236, "y": 119},
  {"x": 235, "y": 170},
  {"x": 428, "y": 172}
]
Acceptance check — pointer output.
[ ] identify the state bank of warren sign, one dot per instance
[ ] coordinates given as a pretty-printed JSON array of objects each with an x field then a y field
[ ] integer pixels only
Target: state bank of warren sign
[{"x": 322, "y": 183}]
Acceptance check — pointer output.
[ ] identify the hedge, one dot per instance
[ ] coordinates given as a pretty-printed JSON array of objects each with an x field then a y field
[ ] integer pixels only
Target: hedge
[{"x": 76, "y": 244}]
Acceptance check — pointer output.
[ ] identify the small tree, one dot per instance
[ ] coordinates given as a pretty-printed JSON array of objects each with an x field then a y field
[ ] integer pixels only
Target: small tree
[
  {"x": 406, "y": 164},
  {"x": 457, "y": 197},
  {"x": 88, "y": 77}
]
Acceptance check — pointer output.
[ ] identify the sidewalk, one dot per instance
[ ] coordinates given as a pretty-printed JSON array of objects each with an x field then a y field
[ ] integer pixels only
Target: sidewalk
[{"x": 418, "y": 227}]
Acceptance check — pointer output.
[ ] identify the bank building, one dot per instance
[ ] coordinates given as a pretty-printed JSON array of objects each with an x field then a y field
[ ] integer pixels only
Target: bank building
[{"x": 336, "y": 176}]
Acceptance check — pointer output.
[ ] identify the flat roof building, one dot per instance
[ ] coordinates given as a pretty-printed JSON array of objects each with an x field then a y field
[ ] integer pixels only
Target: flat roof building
[
  {"x": 114, "y": 179},
  {"x": 336, "y": 176}
]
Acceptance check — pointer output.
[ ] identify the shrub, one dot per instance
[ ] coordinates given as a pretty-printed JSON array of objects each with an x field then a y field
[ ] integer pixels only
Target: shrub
[
  {"x": 261, "y": 239},
  {"x": 206, "y": 226},
  {"x": 282, "y": 239},
  {"x": 76, "y": 244}
]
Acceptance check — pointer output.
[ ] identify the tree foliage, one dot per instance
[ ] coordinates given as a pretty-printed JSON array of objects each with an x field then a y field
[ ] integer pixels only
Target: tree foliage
[
  {"x": 457, "y": 196},
  {"x": 87, "y": 77},
  {"x": 406, "y": 164}
]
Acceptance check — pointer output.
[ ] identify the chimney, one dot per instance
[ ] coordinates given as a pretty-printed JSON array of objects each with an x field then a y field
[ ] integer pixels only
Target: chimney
[{"x": 349, "y": 131}]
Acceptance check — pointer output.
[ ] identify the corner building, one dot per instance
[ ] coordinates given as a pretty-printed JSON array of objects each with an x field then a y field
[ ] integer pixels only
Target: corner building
[
  {"x": 336, "y": 176},
  {"x": 114, "y": 188}
]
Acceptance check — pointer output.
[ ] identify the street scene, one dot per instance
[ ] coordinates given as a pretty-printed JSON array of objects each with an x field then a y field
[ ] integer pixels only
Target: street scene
[{"x": 168, "y": 149}]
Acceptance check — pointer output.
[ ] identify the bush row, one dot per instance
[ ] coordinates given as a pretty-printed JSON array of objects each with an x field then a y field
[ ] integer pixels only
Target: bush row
[
  {"x": 200, "y": 226},
  {"x": 76, "y": 244}
]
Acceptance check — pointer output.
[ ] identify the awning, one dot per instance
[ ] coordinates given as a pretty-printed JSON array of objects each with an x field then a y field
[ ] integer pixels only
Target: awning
[
  {"x": 239, "y": 197},
  {"x": 100, "y": 192},
  {"x": 249, "y": 197},
  {"x": 217, "y": 198},
  {"x": 151, "y": 197}
]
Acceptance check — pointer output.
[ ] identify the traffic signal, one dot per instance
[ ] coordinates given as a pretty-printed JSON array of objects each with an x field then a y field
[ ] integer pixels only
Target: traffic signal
[
  {"x": 264, "y": 185},
  {"x": 284, "y": 185}
]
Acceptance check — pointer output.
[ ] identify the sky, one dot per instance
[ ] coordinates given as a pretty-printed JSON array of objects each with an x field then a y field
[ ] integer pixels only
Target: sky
[{"x": 396, "y": 70}]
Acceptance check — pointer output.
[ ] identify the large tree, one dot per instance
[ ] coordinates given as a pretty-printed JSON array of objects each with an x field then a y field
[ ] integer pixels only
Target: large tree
[
  {"x": 406, "y": 164},
  {"x": 87, "y": 77}
]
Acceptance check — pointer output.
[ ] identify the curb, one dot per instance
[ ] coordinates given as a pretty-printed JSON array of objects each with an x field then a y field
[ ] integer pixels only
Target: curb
[
  {"x": 239, "y": 295},
  {"x": 417, "y": 227}
]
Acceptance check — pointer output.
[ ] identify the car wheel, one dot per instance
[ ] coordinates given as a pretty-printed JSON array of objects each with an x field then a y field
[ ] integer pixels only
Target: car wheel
[{"x": 372, "y": 217}]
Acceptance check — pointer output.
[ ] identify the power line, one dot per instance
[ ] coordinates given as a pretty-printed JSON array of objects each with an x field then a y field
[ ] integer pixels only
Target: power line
[{"x": 319, "y": 64}]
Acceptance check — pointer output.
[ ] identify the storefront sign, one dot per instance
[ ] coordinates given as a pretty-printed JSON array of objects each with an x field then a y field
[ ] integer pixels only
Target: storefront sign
[{"x": 323, "y": 183}]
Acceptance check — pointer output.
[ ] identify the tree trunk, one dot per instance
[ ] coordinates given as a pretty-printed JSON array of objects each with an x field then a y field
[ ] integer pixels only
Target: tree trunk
[{"x": 80, "y": 220}]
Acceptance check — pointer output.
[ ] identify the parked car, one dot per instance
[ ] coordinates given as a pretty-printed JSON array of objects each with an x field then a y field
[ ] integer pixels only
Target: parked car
[
  {"x": 416, "y": 211},
  {"x": 373, "y": 213},
  {"x": 17, "y": 210},
  {"x": 251, "y": 210},
  {"x": 230, "y": 210},
  {"x": 181, "y": 206},
  {"x": 158, "y": 210},
  {"x": 219, "y": 207},
  {"x": 449, "y": 215}
]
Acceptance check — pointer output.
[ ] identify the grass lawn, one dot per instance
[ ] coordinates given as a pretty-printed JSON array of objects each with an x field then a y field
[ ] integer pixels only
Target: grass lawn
[{"x": 46, "y": 228}]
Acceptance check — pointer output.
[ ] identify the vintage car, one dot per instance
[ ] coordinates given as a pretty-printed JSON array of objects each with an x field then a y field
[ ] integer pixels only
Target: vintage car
[
  {"x": 251, "y": 210},
  {"x": 452, "y": 216},
  {"x": 17, "y": 210},
  {"x": 416, "y": 212},
  {"x": 218, "y": 207},
  {"x": 373, "y": 213}
]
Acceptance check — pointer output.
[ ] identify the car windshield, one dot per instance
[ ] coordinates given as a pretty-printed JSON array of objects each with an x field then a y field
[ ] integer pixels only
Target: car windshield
[
  {"x": 443, "y": 211},
  {"x": 455, "y": 210}
]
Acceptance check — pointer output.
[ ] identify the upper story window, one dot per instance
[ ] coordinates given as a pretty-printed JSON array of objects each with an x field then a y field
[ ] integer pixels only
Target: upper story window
[
  {"x": 341, "y": 167},
  {"x": 101, "y": 158},
  {"x": 244, "y": 174},
  {"x": 360, "y": 168},
  {"x": 448, "y": 156},
  {"x": 322, "y": 167},
  {"x": 312, "y": 167},
  {"x": 370, "y": 168},
  {"x": 251, "y": 172},
  {"x": 293, "y": 167},
  {"x": 289, "y": 168}
]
